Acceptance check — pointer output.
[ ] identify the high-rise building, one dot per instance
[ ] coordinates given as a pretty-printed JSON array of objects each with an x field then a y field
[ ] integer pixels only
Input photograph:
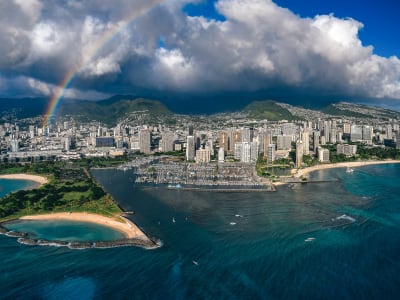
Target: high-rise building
[
  {"x": 356, "y": 133},
  {"x": 333, "y": 136},
  {"x": 246, "y": 134},
  {"x": 221, "y": 155},
  {"x": 190, "y": 148},
  {"x": 203, "y": 156},
  {"x": 67, "y": 143},
  {"x": 367, "y": 134},
  {"x": 323, "y": 154},
  {"x": 346, "y": 128},
  {"x": 305, "y": 138},
  {"x": 284, "y": 142},
  {"x": 14, "y": 145},
  {"x": 167, "y": 142},
  {"x": 271, "y": 153},
  {"x": 299, "y": 153},
  {"x": 145, "y": 141},
  {"x": 346, "y": 149},
  {"x": 316, "y": 136},
  {"x": 223, "y": 140},
  {"x": 235, "y": 137},
  {"x": 246, "y": 152}
]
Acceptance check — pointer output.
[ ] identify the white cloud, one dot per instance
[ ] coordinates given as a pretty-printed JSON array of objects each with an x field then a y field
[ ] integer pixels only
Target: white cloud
[{"x": 259, "y": 46}]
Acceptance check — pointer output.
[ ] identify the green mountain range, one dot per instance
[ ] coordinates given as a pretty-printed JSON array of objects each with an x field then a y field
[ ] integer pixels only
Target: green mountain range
[
  {"x": 268, "y": 110},
  {"x": 114, "y": 109}
]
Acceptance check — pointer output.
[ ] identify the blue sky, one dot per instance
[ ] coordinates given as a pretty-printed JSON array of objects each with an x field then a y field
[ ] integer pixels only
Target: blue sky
[
  {"x": 189, "y": 49},
  {"x": 380, "y": 18}
]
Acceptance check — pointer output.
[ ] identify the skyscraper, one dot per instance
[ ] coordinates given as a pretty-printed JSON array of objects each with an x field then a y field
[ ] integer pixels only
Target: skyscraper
[
  {"x": 145, "y": 141},
  {"x": 271, "y": 153},
  {"x": 299, "y": 153},
  {"x": 305, "y": 138},
  {"x": 190, "y": 148},
  {"x": 223, "y": 140}
]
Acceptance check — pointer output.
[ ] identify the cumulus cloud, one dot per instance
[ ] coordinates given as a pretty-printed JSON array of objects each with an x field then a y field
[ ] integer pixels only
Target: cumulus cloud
[{"x": 152, "y": 45}]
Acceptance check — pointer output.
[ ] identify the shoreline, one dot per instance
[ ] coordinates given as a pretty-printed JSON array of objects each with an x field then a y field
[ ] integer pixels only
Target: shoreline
[
  {"x": 303, "y": 172},
  {"x": 36, "y": 178},
  {"x": 298, "y": 173},
  {"x": 128, "y": 228}
]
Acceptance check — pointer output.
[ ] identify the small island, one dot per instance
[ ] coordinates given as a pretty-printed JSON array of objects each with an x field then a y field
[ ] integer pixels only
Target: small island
[{"x": 66, "y": 192}]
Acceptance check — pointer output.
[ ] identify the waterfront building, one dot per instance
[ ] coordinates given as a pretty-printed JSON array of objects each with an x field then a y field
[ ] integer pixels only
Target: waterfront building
[
  {"x": 299, "y": 153},
  {"x": 397, "y": 140},
  {"x": 346, "y": 149},
  {"x": 190, "y": 148},
  {"x": 203, "y": 156},
  {"x": 323, "y": 154}
]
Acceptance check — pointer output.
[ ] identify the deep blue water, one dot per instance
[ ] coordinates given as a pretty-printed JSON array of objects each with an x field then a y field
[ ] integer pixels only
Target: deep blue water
[{"x": 246, "y": 245}]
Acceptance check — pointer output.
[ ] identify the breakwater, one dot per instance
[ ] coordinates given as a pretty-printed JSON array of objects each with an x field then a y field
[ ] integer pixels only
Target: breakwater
[{"x": 23, "y": 238}]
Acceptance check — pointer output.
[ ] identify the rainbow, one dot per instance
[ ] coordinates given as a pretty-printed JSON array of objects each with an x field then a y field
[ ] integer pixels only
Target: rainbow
[{"x": 90, "y": 54}]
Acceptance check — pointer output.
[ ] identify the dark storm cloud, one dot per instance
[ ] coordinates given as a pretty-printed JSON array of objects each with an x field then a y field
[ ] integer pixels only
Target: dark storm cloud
[{"x": 259, "y": 47}]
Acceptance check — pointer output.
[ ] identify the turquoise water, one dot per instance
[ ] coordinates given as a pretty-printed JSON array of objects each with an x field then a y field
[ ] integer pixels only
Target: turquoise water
[
  {"x": 65, "y": 231},
  {"x": 334, "y": 240},
  {"x": 11, "y": 185}
]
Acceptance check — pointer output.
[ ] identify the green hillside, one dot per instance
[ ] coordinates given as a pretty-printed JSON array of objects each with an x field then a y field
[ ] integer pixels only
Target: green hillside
[
  {"x": 269, "y": 110},
  {"x": 111, "y": 110}
]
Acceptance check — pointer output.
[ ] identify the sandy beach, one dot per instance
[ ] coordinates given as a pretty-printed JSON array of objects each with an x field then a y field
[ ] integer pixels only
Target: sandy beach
[
  {"x": 125, "y": 226},
  {"x": 353, "y": 164},
  {"x": 39, "y": 179}
]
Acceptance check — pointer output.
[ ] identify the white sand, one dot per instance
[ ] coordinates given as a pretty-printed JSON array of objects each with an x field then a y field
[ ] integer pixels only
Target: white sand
[
  {"x": 123, "y": 225},
  {"x": 39, "y": 179},
  {"x": 304, "y": 172}
]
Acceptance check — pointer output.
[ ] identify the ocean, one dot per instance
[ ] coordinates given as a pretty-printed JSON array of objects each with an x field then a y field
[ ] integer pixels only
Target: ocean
[{"x": 329, "y": 240}]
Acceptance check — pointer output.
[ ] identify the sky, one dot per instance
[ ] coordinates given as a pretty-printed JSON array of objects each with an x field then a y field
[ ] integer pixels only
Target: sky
[{"x": 284, "y": 49}]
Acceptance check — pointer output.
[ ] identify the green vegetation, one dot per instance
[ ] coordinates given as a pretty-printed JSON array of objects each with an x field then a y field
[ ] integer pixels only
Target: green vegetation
[
  {"x": 71, "y": 188},
  {"x": 110, "y": 110},
  {"x": 333, "y": 110},
  {"x": 269, "y": 110},
  {"x": 364, "y": 152},
  {"x": 267, "y": 170}
]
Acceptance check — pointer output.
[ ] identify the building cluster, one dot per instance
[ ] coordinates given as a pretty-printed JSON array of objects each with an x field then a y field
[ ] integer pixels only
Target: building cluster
[{"x": 201, "y": 142}]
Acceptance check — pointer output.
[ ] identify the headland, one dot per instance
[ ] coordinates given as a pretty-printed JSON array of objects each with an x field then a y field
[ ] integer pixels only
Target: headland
[{"x": 133, "y": 235}]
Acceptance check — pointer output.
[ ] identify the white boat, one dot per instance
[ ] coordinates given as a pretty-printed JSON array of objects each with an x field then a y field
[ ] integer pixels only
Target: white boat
[
  {"x": 195, "y": 263},
  {"x": 173, "y": 220},
  {"x": 310, "y": 239},
  {"x": 174, "y": 186},
  {"x": 349, "y": 170}
]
